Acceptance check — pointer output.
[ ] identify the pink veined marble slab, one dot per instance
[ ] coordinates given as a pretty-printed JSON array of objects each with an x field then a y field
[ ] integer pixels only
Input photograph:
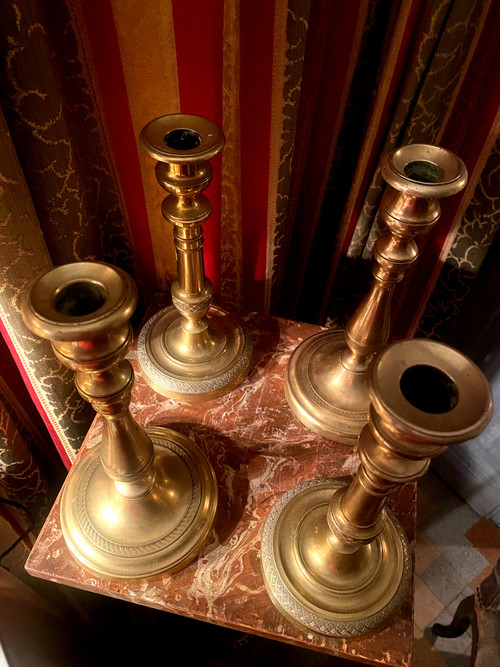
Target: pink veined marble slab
[{"x": 259, "y": 451}]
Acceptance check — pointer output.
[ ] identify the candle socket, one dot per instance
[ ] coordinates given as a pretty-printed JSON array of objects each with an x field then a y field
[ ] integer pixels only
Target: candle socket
[
  {"x": 326, "y": 377},
  {"x": 144, "y": 501},
  {"x": 335, "y": 560},
  {"x": 193, "y": 350}
]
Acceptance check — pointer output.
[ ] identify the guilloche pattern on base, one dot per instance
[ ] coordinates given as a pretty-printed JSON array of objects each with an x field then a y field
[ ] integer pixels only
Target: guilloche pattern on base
[
  {"x": 301, "y": 611},
  {"x": 181, "y": 530},
  {"x": 177, "y": 383}
]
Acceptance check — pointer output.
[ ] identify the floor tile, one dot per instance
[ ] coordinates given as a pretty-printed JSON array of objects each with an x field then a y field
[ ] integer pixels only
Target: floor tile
[
  {"x": 448, "y": 526},
  {"x": 446, "y": 531},
  {"x": 443, "y": 580},
  {"x": 427, "y": 605},
  {"x": 485, "y": 536},
  {"x": 425, "y": 553},
  {"x": 455, "y": 659},
  {"x": 418, "y": 632},
  {"x": 445, "y": 616},
  {"x": 480, "y": 578},
  {"x": 468, "y": 561},
  {"x": 455, "y": 552}
]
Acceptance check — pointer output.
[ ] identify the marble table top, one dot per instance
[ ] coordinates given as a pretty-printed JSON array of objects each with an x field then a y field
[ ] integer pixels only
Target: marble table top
[{"x": 258, "y": 451}]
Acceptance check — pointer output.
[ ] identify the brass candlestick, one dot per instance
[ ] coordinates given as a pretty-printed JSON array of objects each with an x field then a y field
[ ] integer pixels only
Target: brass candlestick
[
  {"x": 145, "y": 500},
  {"x": 334, "y": 559},
  {"x": 193, "y": 350},
  {"x": 326, "y": 376}
]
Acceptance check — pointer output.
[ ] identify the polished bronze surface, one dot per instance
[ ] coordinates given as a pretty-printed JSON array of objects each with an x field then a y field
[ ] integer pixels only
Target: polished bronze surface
[
  {"x": 334, "y": 559},
  {"x": 192, "y": 351},
  {"x": 144, "y": 501},
  {"x": 326, "y": 384}
]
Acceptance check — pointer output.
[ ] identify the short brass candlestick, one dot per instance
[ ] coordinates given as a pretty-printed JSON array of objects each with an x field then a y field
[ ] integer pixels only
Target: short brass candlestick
[
  {"x": 334, "y": 559},
  {"x": 193, "y": 350},
  {"x": 326, "y": 376},
  {"x": 145, "y": 500}
]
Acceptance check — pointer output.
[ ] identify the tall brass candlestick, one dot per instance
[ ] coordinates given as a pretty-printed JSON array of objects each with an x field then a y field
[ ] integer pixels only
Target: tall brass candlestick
[
  {"x": 326, "y": 376},
  {"x": 145, "y": 500},
  {"x": 334, "y": 559},
  {"x": 193, "y": 350}
]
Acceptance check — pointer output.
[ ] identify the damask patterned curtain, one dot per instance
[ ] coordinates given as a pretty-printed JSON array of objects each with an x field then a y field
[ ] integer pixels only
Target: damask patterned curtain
[
  {"x": 59, "y": 197},
  {"x": 310, "y": 95}
]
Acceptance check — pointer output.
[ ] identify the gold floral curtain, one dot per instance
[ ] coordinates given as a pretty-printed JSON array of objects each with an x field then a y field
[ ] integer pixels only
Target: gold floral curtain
[{"x": 59, "y": 198}]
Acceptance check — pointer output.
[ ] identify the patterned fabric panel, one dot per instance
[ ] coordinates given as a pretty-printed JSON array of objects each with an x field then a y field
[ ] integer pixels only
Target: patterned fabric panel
[
  {"x": 238, "y": 64},
  {"x": 50, "y": 109},
  {"x": 23, "y": 254},
  {"x": 60, "y": 201},
  {"x": 134, "y": 52},
  {"x": 231, "y": 215},
  {"x": 335, "y": 37},
  {"x": 367, "y": 43},
  {"x": 409, "y": 54},
  {"x": 31, "y": 470},
  {"x": 291, "y": 26},
  {"x": 470, "y": 128}
]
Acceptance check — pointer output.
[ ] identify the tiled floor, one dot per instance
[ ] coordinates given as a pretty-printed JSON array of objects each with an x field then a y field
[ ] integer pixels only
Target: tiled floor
[{"x": 456, "y": 550}]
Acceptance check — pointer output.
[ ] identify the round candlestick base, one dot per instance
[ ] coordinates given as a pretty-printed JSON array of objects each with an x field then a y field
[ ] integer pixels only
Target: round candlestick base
[
  {"x": 189, "y": 372},
  {"x": 330, "y": 593},
  {"x": 324, "y": 395},
  {"x": 164, "y": 530}
]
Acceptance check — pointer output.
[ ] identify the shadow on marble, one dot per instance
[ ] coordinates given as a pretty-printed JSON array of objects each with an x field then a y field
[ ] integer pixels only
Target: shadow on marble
[
  {"x": 231, "y": 471},
  {"x": 265, "y": 341}
]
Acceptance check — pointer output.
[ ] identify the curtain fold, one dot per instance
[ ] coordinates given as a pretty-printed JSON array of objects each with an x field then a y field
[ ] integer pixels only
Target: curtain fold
[
  {"x": 23, "y": 255},
  {"x": 60, "y": 200},
  {"x": 467, "y": 254},
  {"x": 344, "y": 45},
  {"x": 406, "y": 59}
]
